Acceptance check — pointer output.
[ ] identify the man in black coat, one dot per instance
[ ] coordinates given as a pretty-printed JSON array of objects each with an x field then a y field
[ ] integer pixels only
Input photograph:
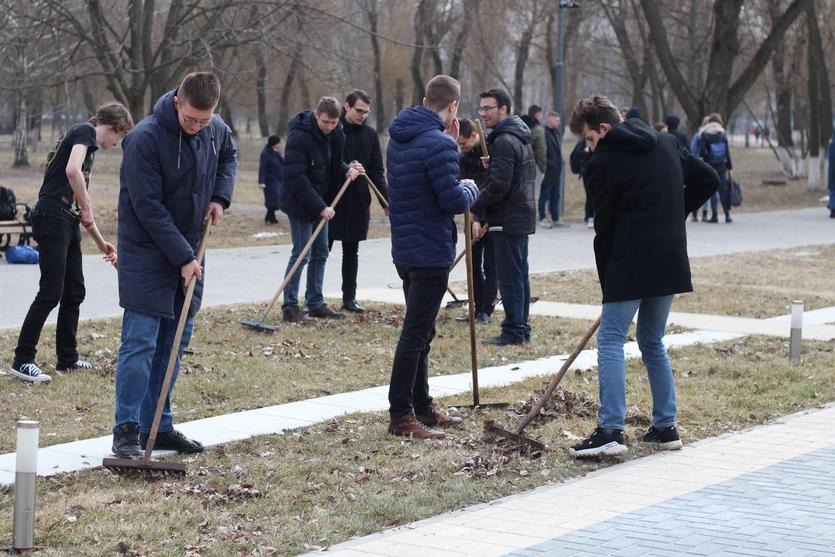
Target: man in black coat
[
  {"x": 635, "y": 178},
  {"x": 312, "y": 167},
  {"x": 350, "y": 224},
  {"x": 269, "y": 176},
  {"x": 549, "y": 190},
  {"x": 580, "y": 156},
  {"x": 508, "y": 202}
]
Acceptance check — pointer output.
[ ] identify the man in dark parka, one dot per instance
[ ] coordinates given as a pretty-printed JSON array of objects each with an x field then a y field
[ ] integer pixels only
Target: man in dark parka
[
  {"x": 350, "y": 224},
  {"x": 635, "y": 177},
  {"x": 508, "y": 201},
  {"x": 178, "y": 169}
]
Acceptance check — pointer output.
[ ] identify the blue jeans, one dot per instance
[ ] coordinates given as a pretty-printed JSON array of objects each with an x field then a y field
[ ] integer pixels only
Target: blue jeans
[
  {"x": 611, "y": 367},
  {"x": 315, "y": 259},
  {"x": 549, "y": 195},
  {"x": 514, "y": 285},
  {"x": 143, "y": 359}
]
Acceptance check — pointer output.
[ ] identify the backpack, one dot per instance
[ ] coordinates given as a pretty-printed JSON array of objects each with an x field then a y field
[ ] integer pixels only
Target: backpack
[
  {"x": 716, "y": 149},
  {"x": 26, "y": 255},
  {"x": 8, "y": 202}
]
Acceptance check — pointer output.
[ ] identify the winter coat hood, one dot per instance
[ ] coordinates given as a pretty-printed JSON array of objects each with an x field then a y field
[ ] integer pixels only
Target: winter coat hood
[
  {"x": 513, "y": 125},
  {"x": 166, "y": 114},
  {"x": 305, "y": 121},
  {"x": 632, "y": 135},
  {"x": 712, "y": 128},
  {"x": 412, "y": 122}
]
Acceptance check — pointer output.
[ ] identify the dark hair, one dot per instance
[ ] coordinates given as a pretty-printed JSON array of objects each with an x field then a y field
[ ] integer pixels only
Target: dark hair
[
  {"x": 357, "y": 94},
  {"x": 633, "y": 113},
  {"x": 115, "y": 115},
  {"x": 593, "y": 111},
  {"x": 442, "y": 90},
  {"x": 466, "y": 127},
  {"x": 501, "y": 96},
  {"x": 328, "y": 106},
  {"x": 273, "y": 140},
  {"x": 200, "y": 90},
  {"x": 533, "y": 109}
]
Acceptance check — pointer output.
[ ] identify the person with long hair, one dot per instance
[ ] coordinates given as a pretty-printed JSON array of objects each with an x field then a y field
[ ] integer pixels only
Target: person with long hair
[{"x": 63, "y": 203}]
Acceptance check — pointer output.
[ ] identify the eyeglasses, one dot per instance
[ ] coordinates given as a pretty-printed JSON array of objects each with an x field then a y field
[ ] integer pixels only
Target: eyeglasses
[
  {"x": 483, "y": 109},
  {"x": 361, "y": 111},
  {"x": 195, "y": 122}
]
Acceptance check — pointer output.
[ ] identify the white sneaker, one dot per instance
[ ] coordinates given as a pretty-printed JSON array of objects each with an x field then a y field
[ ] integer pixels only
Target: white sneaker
[
  {"x": 31, "y": 372},
  {"x": 545, "y": 223},
  {"x": 590, "y": 223}
]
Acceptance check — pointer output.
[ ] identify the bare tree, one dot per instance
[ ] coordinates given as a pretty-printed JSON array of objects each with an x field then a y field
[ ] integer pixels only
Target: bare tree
[{"x": 720, "y": 92}]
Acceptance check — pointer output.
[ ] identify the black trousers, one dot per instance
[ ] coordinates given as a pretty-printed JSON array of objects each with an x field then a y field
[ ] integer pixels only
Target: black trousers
[
  {"x": 409, "y": 386},
  {"x": 589, "y": 207},
  {"x": 62, "y": 282},
  {"x": 350, "y": 266},
  {"x": 485, "y": 282}
]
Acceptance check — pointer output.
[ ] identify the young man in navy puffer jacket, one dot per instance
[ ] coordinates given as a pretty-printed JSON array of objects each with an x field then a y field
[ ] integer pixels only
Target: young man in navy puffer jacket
[{"x": 425, "y": 193}]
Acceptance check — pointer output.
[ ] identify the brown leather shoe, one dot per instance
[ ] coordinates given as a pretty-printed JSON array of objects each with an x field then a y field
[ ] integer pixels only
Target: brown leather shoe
[
  {"x": 294, "y": 315},
  {"x": 409, "y": 426},
  {"x": 433, "y": 418},
  {"x": 325, "y": 312}
]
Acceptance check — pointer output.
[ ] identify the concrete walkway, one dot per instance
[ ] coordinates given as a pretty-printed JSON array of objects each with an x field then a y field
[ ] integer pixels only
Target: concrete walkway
[
  {"x": 253, "y": 274},
  {"x": 764, "y": 492}
]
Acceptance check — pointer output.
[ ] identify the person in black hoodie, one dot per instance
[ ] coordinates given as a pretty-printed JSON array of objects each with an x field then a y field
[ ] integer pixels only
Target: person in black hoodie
[
  {"x": 350, "y": 224},
  {"x": 313, "y": 166},
  {"x": 673, "y": 122},
  {"x": 485, "y": 285},
  {"x": 508, "y": 200},
  {"x": 269, "y": 176},
  {"x": 640, "y": 247}
]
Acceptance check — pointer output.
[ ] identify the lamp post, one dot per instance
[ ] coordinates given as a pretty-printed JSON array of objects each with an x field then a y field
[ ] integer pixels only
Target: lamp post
[
  {"x": 559, "y": 93},
  {"x": 26, "y": 470}
]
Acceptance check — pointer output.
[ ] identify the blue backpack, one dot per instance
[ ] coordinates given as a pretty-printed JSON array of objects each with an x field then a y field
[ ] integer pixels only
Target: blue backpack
[
  {"x": 716, "y": 149},
  {"x": 26, "y": 255}
]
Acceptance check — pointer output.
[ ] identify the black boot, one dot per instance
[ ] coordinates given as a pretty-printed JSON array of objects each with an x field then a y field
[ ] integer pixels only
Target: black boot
[
  {"x": 352, "y": 306},
  {"x": 172, "y": 441},
  {"x": 126, "y": 442},
  {"x": 270, "y": 218}
]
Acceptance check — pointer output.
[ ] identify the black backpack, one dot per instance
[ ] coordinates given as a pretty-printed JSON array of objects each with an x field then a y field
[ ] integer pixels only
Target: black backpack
[{"x": 8, "y": 204}]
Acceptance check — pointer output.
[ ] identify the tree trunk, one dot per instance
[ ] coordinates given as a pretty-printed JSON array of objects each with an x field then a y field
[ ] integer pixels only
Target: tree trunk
[
  {"x": 461, "y": 39},
  {"x": 719, "y": 92},
  {"x": 818, "y": 70},
  {"x": 287, "y": 88},
  {"x": 379, "y": 100},
  {"x": 617, "y": 19},
  {"x": 399, "y": 94},
  {"x": 261, "y": 90},
  {"x": 417, "y": 52},
  {"x": 522, "y": 53},
  {"x": 21, "y": 140}
]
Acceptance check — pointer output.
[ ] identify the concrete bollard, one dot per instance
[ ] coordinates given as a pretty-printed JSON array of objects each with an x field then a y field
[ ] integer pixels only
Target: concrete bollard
[
  {"x": 796, "y": 331},
  {"x": 26, "y": 472}
]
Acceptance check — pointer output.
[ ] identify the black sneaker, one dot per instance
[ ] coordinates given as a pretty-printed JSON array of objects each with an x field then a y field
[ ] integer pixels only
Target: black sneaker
[
  {"x": 324, "y": 312},
  {"x": 352, "y": 306},
  {"x": 126, "y": 442},
  {"x": 172, "y": 441},
  {"x": 30, "y": 372},
  {"x": 78, "y": 364},
  {"x": 667, "y": 438},
  {"x": 603, "y": 442}
]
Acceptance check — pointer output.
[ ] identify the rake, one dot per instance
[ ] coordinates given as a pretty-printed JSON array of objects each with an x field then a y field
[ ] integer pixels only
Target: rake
[
  {"x": 260, "y": 324},
  {"x": 158, "y": 467},
  {"x": 516, "y": 434}
]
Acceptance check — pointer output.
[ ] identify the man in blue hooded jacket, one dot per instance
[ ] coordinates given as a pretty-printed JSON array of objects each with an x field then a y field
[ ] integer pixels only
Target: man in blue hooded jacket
[
  {"x": 178, "y": 169},
  {"x": 425, "y": 193}
]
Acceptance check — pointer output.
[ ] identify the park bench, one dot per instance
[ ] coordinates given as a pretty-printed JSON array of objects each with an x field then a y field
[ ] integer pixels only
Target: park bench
[{"x": 21, "y": 227}]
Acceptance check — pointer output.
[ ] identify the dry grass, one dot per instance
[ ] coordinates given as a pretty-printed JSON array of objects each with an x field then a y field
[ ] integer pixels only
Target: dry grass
[
  {"x": 246, "y": 216},
  {"x": 758, "y": 285},
  {"x": 285, "y": 494},
  {"x": 232, "y": 368}
]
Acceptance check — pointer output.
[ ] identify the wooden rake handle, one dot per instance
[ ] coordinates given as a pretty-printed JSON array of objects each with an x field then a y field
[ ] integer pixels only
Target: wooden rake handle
[
  {"x": 557, "y": 378},
  {"x": 304, "y": 251},
  {"x": 175, "y": 347}
]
